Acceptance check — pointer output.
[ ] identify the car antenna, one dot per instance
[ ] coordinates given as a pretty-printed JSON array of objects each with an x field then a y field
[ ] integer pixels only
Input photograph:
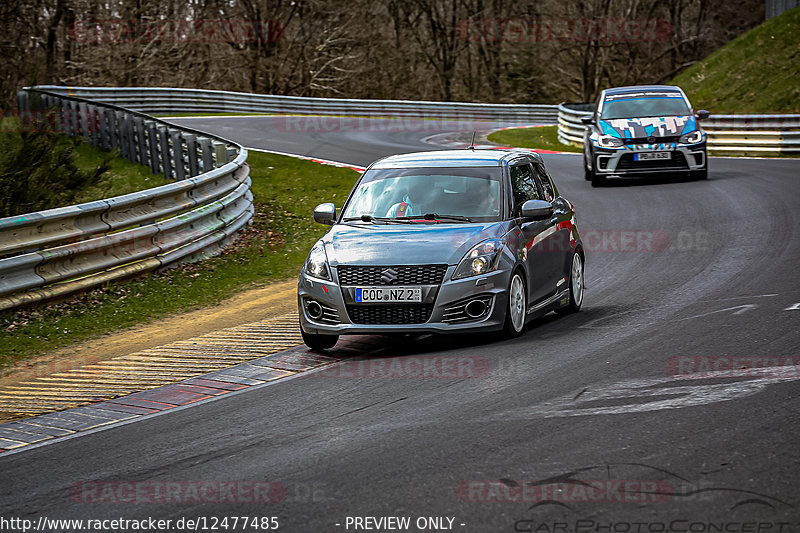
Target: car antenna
[{"x": 472, "y": 145}]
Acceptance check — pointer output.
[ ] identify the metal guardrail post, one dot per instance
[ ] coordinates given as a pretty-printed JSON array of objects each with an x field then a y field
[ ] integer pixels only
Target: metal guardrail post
[
  {"x": 164, "y": 156},
  {"x": 105, "y": 129},
  {"x": 177, "y": 155},
  {"x": 140, "y": 141},
  {"x": 82, "y": 121},
  {"x": 207, "y": 154},
  {"x": 152, "y": 147},
  {"x": 22, "y": 101},
  {"x": 191, "y": 152},
  {"x": 220, "y": 153}
]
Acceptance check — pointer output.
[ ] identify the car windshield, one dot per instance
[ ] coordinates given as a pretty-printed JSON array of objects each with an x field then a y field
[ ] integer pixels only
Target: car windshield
[
  {"x": 644, "y": 106},
  {"x": 462, "y": 194}
]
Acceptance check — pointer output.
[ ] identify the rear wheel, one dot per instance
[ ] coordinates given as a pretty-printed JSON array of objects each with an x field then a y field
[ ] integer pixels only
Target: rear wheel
[
  {"x": 318, "y": 342},
  {"x": 517, "y": 306},
  {"x": 576, "y": 286}
]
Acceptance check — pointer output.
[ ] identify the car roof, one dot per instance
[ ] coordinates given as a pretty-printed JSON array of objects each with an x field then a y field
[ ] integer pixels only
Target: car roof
[
  {"x": 615, "y": 91},
  {"x": 452, "y": 158}
]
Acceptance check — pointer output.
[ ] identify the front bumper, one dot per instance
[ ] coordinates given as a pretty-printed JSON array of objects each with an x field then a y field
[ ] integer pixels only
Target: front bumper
[
  {"x": 620, "y": 162},
  {"x": 341, "y": 317}
]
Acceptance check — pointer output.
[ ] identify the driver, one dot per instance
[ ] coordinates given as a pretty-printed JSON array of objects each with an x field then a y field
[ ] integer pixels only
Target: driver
[{"x": 411, "y": 193}]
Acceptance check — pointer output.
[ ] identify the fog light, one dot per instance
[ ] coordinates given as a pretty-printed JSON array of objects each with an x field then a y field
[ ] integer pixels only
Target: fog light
[
  {"x": 314, "y": 310},
  {"x": 475, "y": 308}
]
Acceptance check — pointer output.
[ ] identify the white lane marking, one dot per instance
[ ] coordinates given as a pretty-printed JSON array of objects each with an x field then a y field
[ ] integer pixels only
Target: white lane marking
[
  {"x": 793, "y": 307},
  {"x": 353, "y": 166},
  {"x": 654, "y": 394},
  {"x": 740, "y": 310}
]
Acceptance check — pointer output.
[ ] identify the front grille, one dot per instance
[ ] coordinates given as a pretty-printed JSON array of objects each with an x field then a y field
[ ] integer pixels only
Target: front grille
[
  {"x": 391, "y": 275},
  {"x": 677, "y": 162},
  {"x": 389, "y": 314},
  {"x": 658, "y": 140}
]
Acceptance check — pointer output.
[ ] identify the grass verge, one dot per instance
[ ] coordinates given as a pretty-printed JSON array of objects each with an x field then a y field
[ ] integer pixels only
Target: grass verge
[
  {"x": 285, "y": 192},
  {"x": 540, "y": 137},
  {"x": 755, "y": 73}
]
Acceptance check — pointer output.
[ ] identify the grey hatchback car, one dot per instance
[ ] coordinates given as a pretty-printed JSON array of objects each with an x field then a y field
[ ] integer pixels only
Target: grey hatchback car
[{"x": 443, "y": 242}]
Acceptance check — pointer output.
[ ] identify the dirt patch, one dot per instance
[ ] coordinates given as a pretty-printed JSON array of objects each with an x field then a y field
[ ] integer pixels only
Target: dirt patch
[{"x": 249, "y": 306}]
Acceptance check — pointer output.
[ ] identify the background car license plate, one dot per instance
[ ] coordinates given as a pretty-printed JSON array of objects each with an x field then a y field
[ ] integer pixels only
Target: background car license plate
[
  {"x": 389, "y": 294},
  {"x": 648, "y": 156}
]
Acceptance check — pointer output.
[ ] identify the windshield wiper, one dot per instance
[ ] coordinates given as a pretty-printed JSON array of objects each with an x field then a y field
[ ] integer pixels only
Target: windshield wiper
[
  {"x": 370, "y": 218},
  {"x": 434, "y": 216}
]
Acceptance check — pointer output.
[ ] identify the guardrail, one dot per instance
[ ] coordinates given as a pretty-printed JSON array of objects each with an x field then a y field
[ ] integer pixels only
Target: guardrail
[
  {"x": 161, "y": 101},
  {"x": 743, "y": 135},
  {"x": 59, "y": 251}
]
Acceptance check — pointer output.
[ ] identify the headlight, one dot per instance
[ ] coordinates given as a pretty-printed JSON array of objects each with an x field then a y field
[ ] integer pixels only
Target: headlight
[
  {"x": 317, "y": 262},
  {"x": 482, "y": 258},
  {"x": 606, "y": 141},
  {"x": 691, "y": 138}
]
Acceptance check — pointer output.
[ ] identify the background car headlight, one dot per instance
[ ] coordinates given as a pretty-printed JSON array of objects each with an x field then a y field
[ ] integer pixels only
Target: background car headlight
[
  {"x": 691, "y": 138},
  {"x": 606, "y": 141},
  {"x": 317, "y": 262},
  {"x": 482, "y": 258}
]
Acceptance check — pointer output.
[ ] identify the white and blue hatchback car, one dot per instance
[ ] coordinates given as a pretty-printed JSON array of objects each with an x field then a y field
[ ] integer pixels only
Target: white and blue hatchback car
[
  {"x": 641, "y": 131},
  {"x": 443, "y": 242}
]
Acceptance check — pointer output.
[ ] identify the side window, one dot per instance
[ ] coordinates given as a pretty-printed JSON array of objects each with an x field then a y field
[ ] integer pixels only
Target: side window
[
  {"x": 522, "y": 186},
  {"x": 543, "y": 180}
]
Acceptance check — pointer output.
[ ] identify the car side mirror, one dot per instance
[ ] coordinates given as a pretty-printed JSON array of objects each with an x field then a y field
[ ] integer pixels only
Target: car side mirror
[
  {"x": 537, "y": 209},
  {"x": 587, "y": 120},
  {"x": 702, "y": 114},
  {"x": 325, "y": 214}
]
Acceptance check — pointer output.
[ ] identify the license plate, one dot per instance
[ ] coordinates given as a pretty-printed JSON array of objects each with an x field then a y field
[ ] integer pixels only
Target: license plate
[
  {"x": 388, "y": 294},
  {"x": 648, "y": 156}
]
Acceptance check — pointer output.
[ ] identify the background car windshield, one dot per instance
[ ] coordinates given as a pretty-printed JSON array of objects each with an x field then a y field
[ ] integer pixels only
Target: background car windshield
[
  {"x": 402, "y": 193},
  {"x": 644, "y": 107}
]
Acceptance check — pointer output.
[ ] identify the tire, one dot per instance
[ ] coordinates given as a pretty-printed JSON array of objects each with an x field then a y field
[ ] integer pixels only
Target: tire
[
  {"x": 517, "y": 306},
  {"x": 700, "y": 174},
  {"x": 597, "y": 181},
  {"x": 588, "y": 175},
  {"x": 318, "y": 342},
  {"x": 576, "y": 286}
]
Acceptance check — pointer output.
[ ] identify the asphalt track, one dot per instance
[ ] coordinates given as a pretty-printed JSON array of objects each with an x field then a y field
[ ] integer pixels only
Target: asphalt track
[{"x": 705, "y": 271}]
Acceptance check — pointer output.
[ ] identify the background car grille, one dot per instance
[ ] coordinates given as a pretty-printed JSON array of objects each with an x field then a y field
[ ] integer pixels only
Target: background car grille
[
  {"x": 658, "y": 140},
  {"x": 677, "y": 162},
  {"x": 389, "y": 314},
  {"x": 405, "y": 275}
]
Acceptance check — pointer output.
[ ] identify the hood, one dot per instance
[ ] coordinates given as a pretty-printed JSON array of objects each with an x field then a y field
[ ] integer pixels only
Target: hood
[
  {"x": 405, "y": 244},
  {"x": 627, "y": 128}
]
